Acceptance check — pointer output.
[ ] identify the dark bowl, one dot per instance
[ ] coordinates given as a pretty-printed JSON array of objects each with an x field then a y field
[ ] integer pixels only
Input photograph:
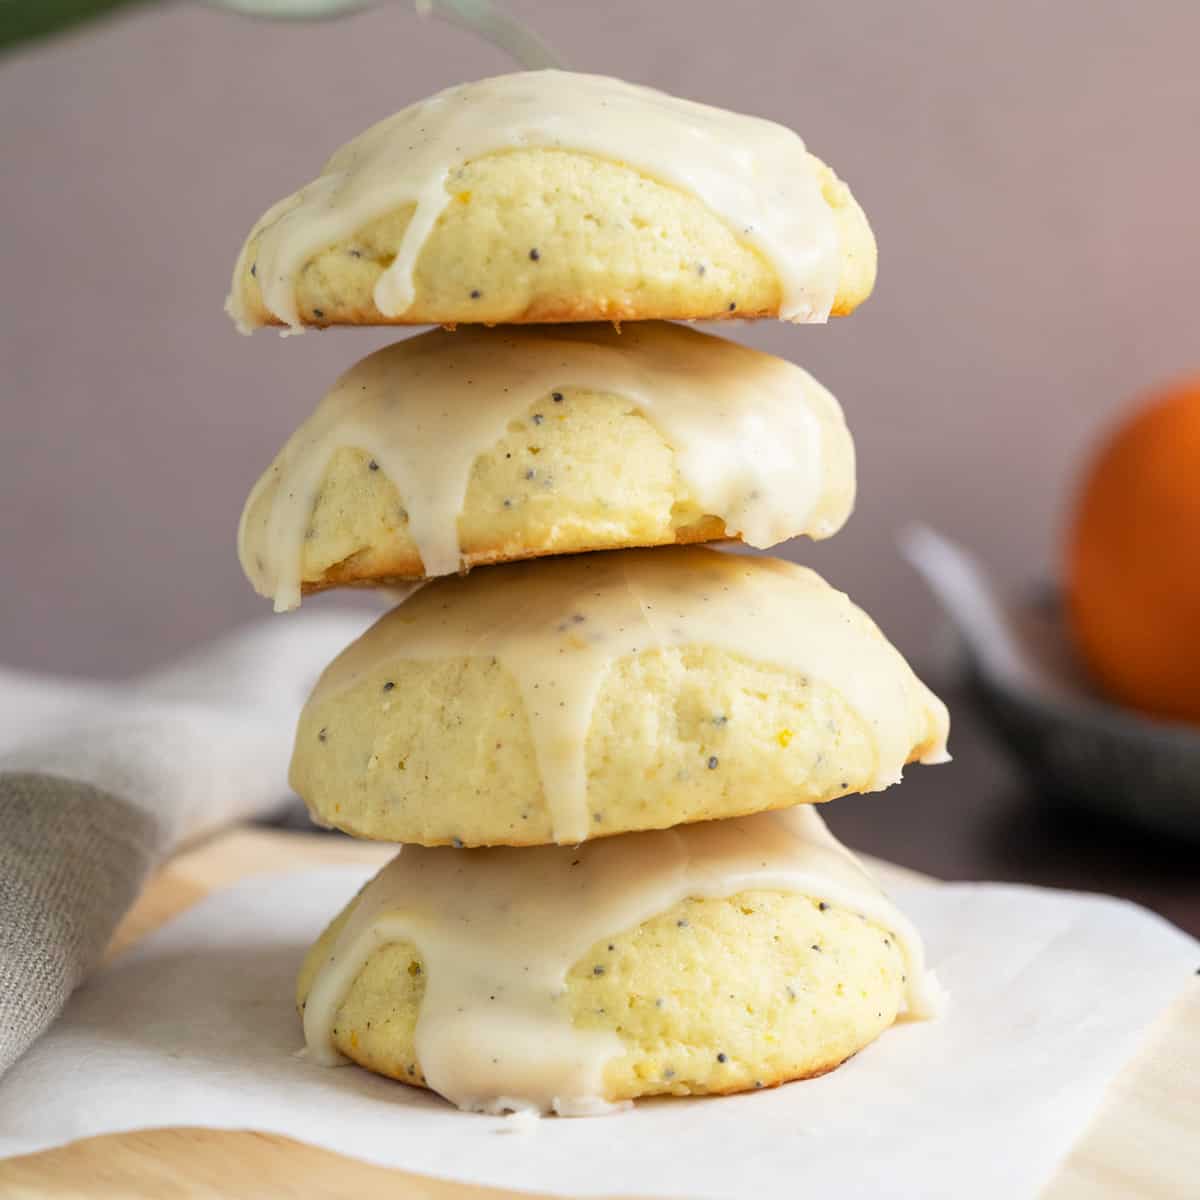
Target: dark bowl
[{"x": 1083, "y": 753}]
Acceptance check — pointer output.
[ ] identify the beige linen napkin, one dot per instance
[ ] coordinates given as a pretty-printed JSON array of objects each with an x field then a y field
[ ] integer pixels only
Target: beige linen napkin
[{"x": 99, "y": 783}]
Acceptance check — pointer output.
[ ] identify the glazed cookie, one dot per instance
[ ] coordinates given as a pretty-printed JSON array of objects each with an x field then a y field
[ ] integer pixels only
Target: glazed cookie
[
  {"x": 715, "y": 958},
  {"x": 449, "y": 450},
  {"x": 553, "y": 701},
  {"x": 551, "y": 196}
]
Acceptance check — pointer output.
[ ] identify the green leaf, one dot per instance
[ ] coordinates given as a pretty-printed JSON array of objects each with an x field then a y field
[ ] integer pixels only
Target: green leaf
[{"x": 25, "y": 20}]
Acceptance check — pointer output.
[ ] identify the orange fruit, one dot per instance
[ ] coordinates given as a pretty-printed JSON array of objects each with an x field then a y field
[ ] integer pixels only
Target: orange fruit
[{"x": 1133, "y": 559}]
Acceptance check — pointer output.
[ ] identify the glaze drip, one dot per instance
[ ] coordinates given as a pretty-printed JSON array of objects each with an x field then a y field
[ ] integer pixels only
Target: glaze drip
[
  {"x": 558, "y": 624},
  {"x": 757, "y": 441},
  {"x": 499, "y": 929},
  {"x": 754, "y": 174}
]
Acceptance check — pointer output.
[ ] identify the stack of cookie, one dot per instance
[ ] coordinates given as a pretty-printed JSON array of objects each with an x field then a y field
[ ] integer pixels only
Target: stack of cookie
[{"x": 602, "y": 752}]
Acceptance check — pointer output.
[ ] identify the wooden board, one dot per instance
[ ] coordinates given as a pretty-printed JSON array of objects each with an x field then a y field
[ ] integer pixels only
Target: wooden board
[{"x": 1144, "y": 1142}]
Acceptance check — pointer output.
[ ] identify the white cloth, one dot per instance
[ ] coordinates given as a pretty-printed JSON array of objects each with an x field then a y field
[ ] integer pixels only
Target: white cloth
[
  {"x": 98, "y": 783},
  {"x": 198, "y": 744}
]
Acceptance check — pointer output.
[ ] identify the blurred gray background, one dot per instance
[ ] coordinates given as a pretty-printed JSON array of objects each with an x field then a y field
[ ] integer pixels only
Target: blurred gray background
[{"x": 1031, "y": 170}]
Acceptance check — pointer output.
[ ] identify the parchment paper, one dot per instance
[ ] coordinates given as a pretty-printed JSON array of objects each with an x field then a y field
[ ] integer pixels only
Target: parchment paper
[{"x": 1050, "y": 994}]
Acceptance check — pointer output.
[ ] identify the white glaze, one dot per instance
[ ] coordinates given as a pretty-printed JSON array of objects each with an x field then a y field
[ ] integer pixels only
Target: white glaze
[
  {"x": 498, "y": 930},
  {"x": 557, "y": 625},
  {"x": 754, "y": 174},
  {"x": 757, "y": 440}
]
